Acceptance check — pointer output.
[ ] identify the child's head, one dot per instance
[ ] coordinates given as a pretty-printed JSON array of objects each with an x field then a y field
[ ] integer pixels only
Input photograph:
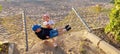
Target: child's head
[
  {"x": 36, "y": 28},
  {"x": 46, "y": 17}
]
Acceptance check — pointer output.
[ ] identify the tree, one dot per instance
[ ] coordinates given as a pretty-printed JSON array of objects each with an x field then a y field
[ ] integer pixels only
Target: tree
[{"x": 114, "y": 25}]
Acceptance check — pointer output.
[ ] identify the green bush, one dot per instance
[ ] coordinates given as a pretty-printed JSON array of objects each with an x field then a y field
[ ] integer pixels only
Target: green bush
[
  {"x": 0, "y": 7},
  {"x": 114, "y": 25}
]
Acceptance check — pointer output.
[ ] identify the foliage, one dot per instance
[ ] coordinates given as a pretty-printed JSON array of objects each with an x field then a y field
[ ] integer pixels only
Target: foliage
[
  {"x": 98, "y": 8},
  {"x": 114, "y": 25},
  {"x": 0, "y": 46},
  {"x": 0, "y": 7}
]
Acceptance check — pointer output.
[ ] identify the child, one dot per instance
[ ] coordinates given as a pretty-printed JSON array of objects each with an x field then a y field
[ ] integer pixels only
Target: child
[
  {"x": 46, "y": 33},
  {"x": 47, "y": 22}
]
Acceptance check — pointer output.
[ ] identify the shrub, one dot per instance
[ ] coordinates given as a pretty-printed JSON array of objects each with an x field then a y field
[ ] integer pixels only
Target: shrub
[{"x": 114, "y": 25}]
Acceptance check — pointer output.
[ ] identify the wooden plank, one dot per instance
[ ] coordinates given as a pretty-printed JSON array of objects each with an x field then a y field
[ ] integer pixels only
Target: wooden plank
[
  {"x": 11, "y": 49},
  {"x": 106, "y": 47}
]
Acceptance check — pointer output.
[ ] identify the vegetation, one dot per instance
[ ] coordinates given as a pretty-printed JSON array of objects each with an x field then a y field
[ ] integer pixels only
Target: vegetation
[
  {"x": 0, "y": 7},
  {"x": 4, "y": 48},
  {"x": 114, "y": 25}
]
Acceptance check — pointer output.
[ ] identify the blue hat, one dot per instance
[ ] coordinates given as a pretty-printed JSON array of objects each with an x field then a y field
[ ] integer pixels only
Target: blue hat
[{"x": 35, "y": 27}]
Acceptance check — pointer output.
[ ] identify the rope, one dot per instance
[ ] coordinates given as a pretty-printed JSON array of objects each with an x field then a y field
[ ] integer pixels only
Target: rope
[
  {"x": 25, "y": 28},
  {"x": 84, "y": 23}
]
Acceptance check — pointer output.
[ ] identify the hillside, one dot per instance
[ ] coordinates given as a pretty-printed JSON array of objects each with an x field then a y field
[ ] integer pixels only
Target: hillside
[
  {"x": 95, "y": 16},
  {"x": 72, "y": 42},
  {"x": 67, "y": 42}
]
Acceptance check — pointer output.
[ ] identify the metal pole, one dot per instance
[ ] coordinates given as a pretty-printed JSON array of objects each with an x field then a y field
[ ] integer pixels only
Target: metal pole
[
  {"x": 85, "y": 24},
  {"x": 25, "y": 28}
]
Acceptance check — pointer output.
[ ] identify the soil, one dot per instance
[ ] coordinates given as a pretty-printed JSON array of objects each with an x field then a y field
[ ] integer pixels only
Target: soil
[
  {"x": 70, "y": 43},
  {"x": 100, "y": 32}
]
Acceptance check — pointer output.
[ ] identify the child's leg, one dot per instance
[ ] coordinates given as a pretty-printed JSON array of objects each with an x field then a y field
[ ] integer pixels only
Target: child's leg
[
  {"x": 60, "y": 28},
  {"x": 61, "y": 31},
  {"x": 53, "y": 40},
  {"x": 50, "y": 44}
]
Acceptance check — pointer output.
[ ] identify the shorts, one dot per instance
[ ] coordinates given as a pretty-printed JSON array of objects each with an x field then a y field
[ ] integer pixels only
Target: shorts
[{"x": 53, "y": 33}]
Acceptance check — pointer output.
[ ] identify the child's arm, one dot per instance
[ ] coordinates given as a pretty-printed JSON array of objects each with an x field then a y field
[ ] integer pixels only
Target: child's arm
[
  {"x": 52, "y": 22},
  {"x": 46, "y": 24},
  {"x": 49, "y": 26}
]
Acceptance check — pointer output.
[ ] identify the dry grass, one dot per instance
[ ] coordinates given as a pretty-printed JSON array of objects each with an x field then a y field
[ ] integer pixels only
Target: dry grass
[
  {"x": 14, "y": 26},
  {"x": 13, "y": 23},
  {"x": 95, "y": 17}
]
